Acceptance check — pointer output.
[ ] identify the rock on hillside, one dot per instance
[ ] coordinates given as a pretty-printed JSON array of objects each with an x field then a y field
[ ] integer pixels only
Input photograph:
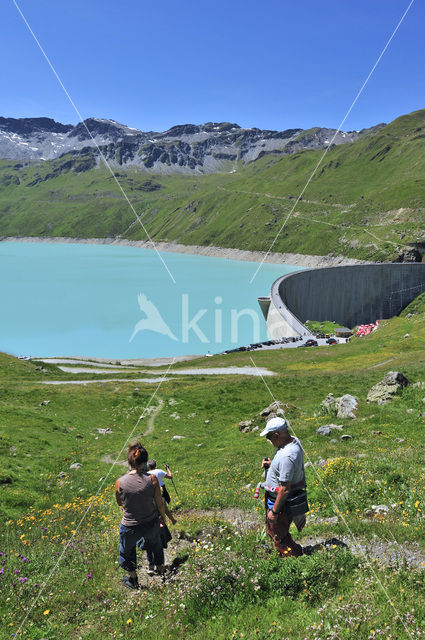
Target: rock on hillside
[
  {"x": 343, "y": 407},
  {"x": 188, "y": 148},
  {"x": 390, "y": 385}
]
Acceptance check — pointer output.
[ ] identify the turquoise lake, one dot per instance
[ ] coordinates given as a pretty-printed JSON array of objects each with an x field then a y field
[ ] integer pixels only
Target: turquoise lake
[{"x": 83, "y": 300}]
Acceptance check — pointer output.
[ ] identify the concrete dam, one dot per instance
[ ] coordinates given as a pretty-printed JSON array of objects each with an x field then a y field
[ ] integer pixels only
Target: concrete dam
[{"x": 348, "y": 295}]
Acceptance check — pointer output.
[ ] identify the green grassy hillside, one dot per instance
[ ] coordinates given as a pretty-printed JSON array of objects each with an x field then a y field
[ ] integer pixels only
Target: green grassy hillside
[
  {"x": 365, "y": 200},
  {"x": 228, "y": 585}
]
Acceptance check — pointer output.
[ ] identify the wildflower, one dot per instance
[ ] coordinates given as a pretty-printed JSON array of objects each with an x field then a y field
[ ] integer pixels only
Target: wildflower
[
  {"x": 129, "y": 621},
  {"x": 46, "y": 613},
  {"x": 89, "y": 575}
]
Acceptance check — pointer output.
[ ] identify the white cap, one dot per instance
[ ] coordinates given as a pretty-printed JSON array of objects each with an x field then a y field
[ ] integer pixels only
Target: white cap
[{"x": 275, "y": 424}]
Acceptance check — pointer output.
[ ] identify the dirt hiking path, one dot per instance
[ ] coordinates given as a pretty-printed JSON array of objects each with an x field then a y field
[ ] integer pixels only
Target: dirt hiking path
[{"x": 108, "y": 459}]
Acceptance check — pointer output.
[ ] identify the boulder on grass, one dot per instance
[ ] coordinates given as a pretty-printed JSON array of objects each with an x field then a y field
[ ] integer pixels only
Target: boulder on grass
[
  {"x": 390, "y": 385},
  {"x": 327, "y": 429},
  {"x": 347, "y": 406},
  {"x": 342, "y": 407},
  {"x": 276, "y": 408},
  {"x": 245, "y": 425}
]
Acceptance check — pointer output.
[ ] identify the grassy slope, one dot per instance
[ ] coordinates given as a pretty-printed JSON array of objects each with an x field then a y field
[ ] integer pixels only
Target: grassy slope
[
  {"x": 350, "y": 207},
  {"x": 47, "y": 439}
]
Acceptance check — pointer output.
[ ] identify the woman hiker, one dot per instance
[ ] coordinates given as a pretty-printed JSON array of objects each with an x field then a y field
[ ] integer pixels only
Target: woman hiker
[{"x": 140, "y": 496}]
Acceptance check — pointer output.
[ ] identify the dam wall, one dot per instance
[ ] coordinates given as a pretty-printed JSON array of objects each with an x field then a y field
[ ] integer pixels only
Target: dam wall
[{"x": 348, "y": 295}]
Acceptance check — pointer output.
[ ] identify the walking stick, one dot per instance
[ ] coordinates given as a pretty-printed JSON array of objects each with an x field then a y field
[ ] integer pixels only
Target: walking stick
[{"x": 177, "y": 494}]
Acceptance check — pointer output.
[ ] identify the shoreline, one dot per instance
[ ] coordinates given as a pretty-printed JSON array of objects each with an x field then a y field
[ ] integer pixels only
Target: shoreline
[
  {"x": 160, "y": 361},
  {"x": 294, "y": 259}
]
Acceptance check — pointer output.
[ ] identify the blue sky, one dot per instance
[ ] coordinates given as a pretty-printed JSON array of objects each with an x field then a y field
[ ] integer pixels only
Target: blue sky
[{"x": 273, "y": 64}]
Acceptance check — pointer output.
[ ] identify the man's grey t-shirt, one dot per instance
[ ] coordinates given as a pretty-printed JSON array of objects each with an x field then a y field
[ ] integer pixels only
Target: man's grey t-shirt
[{"x": 287, "y": 465}]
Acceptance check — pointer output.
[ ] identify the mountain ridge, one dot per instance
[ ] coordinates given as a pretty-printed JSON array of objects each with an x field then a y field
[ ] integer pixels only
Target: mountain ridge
[{"x": 187, "y": 148}]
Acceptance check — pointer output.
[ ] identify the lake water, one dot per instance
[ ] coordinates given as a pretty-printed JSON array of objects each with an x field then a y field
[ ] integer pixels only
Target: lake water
[{"x": 83, "y": 300}]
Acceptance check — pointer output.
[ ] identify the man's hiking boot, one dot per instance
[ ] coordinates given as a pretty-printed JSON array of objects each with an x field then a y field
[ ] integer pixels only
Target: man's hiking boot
[
  {"x": 151, "y": 570},
  {"x": 130, "y": 583}
]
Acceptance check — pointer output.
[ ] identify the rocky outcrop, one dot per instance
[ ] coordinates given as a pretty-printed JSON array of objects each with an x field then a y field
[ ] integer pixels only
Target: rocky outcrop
[
  {"x": 274, "y": 410},
  {"x": 245, "y": 426},
  {"x": 391, "y": 384},
  {"x": 342, "y": 407},
  {"x": 409, "y": 253},
  {"x": 78, "y": 162}
]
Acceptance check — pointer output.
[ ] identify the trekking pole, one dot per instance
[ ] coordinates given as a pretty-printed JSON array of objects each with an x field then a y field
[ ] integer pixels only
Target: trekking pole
[{"x": 177, "y": 493}]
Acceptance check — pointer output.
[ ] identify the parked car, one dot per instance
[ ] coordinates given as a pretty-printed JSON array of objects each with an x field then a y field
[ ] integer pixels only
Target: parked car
[
  {"x": 320, "y": 335},
  {"x": 332, "y": 341},
  {"x": 311, "y": 343}
]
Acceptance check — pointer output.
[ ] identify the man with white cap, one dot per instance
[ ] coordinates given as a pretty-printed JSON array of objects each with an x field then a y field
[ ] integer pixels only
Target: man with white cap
[{"x": 286, "y": 498}]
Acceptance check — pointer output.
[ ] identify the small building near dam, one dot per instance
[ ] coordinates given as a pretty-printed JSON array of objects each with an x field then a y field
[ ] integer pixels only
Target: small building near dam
[{"x": 343, "y": 332}]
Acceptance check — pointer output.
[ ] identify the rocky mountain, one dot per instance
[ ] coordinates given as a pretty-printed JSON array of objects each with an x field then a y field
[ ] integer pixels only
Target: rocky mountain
[{"x": 207, "y": 148}]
